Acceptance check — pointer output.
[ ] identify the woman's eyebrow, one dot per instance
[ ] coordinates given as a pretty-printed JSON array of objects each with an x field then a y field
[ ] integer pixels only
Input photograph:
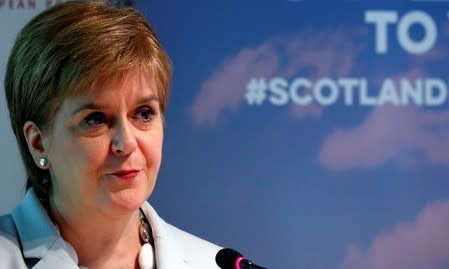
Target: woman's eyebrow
[
  {"x": 95, "y": 106},
  {"x": 149, "y": 98},
  {"x": 90, "y": 106}
]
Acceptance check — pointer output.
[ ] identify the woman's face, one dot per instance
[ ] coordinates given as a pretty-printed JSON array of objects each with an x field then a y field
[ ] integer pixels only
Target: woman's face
[{"x": 105, "y": 147}]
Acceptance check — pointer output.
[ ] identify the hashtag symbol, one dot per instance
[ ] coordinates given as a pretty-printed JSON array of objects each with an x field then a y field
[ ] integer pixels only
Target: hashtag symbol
[{"x": 256, "y": 91}]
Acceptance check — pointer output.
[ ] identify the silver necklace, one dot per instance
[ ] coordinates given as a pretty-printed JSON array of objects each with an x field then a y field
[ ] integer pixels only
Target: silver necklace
[{"x": 146, "y": 253}]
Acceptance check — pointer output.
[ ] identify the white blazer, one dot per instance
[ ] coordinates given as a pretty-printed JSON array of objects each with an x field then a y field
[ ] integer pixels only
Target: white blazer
[{"x": 29, "y": 239}]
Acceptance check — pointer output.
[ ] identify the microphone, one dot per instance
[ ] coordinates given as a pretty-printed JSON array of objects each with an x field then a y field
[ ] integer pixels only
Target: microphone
[{"x": 230, "y": 259}]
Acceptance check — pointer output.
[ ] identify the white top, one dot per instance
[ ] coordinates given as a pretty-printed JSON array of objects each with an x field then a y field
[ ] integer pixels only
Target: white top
[{"x": 29, "y": 239}]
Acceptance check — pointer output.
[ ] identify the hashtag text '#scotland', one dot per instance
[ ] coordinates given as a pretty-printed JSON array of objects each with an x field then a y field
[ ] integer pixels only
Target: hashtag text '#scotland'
[{"x": 301, "y": 91}]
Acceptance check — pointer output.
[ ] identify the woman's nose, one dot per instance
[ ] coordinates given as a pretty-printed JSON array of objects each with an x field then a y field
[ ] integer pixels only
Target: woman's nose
[{"x": 124, "y": 140}]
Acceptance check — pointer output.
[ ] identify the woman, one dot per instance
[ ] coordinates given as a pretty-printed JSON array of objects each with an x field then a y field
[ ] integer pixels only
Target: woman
[{"x": 87, "y": 86}]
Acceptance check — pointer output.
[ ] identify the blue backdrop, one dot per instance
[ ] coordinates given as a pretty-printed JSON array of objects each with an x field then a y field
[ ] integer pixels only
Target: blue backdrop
[{"x": 309, "y": 134}]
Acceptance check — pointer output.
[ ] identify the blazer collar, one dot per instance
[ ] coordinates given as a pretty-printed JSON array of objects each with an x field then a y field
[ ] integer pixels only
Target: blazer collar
[
  {"x": 40, "y": 238},
  {"x": 168, "y": 255}
]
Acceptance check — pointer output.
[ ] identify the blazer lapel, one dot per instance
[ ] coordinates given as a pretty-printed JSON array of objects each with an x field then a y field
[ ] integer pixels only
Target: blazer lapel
[
  {"x": 41, "y": 240},
  {"x": 168, "y": 255}
]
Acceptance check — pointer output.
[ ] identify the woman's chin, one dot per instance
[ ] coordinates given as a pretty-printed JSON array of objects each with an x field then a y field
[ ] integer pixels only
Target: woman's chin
[{"x": 127, "y": 200}]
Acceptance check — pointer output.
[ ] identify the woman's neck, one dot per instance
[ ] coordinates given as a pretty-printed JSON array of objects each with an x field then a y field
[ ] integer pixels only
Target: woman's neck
[{"x": 101, "y": 241}]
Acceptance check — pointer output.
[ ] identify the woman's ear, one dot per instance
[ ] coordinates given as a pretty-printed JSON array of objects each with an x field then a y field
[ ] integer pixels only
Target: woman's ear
[{"x": 33, "y": 136}]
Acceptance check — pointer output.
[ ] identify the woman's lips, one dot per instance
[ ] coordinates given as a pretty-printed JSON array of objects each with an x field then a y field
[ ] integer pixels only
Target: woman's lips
[{"x": 126, "y": 174}]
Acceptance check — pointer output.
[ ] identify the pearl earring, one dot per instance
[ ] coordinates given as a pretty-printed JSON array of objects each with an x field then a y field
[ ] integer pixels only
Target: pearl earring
[{"x": 43, "y": 162}]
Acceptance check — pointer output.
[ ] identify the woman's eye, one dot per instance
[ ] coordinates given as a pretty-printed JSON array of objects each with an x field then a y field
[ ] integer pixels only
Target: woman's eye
[
  {"x": 145, "y": 114},
  {"x": 95, "y": 119}
]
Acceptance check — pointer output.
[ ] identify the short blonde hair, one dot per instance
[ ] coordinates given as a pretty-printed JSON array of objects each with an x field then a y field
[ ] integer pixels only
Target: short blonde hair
[{"x": 65, "y": 49}]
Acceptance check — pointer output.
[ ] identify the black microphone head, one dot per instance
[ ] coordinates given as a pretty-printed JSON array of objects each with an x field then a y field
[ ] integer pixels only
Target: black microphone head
[{"x": 226, "y": 258}]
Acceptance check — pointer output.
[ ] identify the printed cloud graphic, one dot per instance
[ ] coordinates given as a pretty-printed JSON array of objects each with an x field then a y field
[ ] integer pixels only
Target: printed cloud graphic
[
  {"x": 313, "y": 53},
  {"x": 224, "y": 89},
  {"x": 423, "y": 243},
  {"x": 388, "y": 134},
  {"x": 309, "y": 111}
]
